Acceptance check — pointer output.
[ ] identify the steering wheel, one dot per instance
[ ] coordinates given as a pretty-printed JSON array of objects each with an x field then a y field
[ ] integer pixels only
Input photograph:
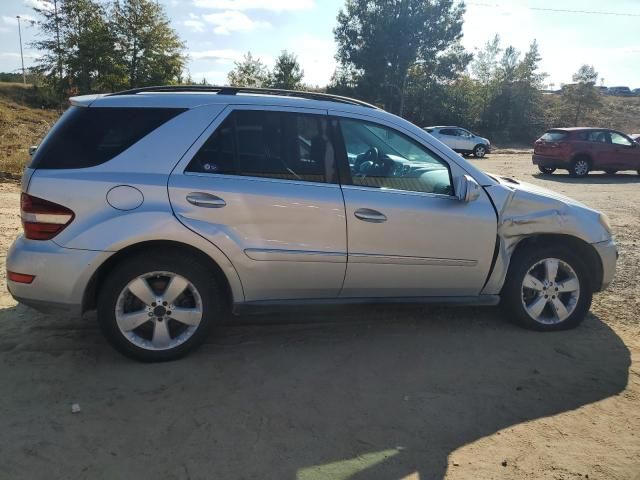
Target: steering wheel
[{"x": 372, "y": 155}]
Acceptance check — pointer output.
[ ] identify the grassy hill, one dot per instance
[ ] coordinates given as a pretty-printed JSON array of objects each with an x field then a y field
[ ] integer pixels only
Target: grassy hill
[
  {"x": 618, "y": 113},
  {"x": 24, "y": 120}
]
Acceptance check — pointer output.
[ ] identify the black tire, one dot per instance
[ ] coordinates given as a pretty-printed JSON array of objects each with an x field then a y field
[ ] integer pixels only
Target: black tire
[
  {"x": 546, "y": 170},
  {"x": 580, "y": 167},
  {"x": 611, "y": 172},
  {"x": 479, "y": 151},
  {"x": 165, "y": 260},
  {"x": 512, "y": 296}
]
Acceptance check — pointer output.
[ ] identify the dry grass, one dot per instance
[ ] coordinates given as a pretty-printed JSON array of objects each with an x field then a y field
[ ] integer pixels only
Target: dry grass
[{"x": 21, "y": 125}]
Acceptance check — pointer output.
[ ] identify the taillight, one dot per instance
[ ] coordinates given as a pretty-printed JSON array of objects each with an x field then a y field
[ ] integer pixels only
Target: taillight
[
  {"x": 20, "y": 277},
  {"x": 42, "y": 219}
]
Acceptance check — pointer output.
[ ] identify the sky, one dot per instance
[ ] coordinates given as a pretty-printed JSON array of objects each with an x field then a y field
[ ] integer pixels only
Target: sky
[{"x": 219, "y": 32}]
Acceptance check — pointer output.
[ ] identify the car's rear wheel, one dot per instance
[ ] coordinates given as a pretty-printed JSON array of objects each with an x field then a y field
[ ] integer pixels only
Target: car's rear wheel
[
  {"x": 611, "y": 172},
  {"x": 479, "y": 151},
  {"x": 580, "y": 167},
  {"x": 158, "y": 306},
  {"x": 546, "y": 170},
  {"x": 547, "y": 289}
]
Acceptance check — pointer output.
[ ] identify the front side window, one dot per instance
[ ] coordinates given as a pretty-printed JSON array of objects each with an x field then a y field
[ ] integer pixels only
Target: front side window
[
  {"x": 381, "y": 157},
  {"x": 618, "y": 139},
  {"x": 288, "y": 146}
]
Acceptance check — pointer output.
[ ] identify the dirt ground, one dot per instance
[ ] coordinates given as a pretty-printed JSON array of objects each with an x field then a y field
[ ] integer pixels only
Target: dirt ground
[{"x": 359, "y": 393}]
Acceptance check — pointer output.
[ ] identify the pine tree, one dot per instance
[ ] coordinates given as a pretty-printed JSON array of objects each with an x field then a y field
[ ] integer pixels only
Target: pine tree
[
  {"x": 248, "y": 72},
  {"x": 286, "y": 73}
]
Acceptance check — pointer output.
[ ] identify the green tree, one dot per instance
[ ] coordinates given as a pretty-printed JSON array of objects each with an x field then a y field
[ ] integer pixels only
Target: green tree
[
  {"x": 381, "y": 40},
  {"x": 286, "y": 72},
  {"x": 581, "y": 97},
  {"x": 77, "y": 45},
  {"x": 150, "y": 51},
  {"x": 248, "y": 72}
]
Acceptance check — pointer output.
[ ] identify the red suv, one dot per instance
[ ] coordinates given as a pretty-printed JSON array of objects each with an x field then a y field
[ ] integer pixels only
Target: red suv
[{"x": 581, "y": 150}]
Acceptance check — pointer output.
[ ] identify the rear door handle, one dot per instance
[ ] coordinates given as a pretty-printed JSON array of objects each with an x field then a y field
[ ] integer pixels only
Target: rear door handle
[
  {"x": 206, "y": 200},
  {"x": 369, "y": 215}
]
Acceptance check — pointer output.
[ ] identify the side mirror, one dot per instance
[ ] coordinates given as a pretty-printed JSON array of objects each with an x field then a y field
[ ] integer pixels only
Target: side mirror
[
  {"x": 467, "y": 189},
  {"x": 32, "y": 150}
]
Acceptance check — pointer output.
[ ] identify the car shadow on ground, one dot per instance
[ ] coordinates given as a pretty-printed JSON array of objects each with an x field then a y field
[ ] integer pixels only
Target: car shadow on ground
[
  {"x": 592, "y": 178},
  {"x": 359, "y": 393}
]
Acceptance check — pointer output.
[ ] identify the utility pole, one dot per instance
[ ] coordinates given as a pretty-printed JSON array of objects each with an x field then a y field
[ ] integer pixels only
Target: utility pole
[
  {"x": 24, "y": 77},
  {"x": 55, "y": 10}
]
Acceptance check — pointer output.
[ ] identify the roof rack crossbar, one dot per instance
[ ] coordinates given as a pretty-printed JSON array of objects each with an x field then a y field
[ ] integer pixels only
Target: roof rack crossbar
[{"x": 221, "y": 90}]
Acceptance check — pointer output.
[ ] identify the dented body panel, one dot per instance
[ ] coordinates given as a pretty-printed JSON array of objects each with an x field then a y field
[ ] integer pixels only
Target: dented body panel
[{"x": 525, "y": 211}]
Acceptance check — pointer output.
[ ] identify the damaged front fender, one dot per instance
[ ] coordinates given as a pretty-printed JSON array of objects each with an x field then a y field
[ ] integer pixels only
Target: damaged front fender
[{"x": 526, "y": 211}]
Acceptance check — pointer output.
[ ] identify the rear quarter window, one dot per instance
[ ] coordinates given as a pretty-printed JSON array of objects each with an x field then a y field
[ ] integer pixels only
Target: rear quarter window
[
  {"x": 554, "y": 136},
  {"x": 86, "y": 137}
]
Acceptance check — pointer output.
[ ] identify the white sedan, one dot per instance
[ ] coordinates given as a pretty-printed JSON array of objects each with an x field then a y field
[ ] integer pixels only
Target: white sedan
[{"x": 461, "y": 140}]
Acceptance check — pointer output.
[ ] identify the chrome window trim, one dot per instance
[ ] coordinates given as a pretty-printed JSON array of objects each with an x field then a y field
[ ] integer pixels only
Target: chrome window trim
[
  {"x": 227, "y": 176},
  {"x": 400, "y": 192}
]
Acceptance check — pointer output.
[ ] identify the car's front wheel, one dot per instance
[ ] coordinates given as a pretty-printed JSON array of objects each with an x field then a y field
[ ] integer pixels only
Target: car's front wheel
[
  {"x": 158, "y": 305},
  {"x": 546, "y": 170},
  {"x": 479, "y": 151},
  {"x": 547, "y": 289}
]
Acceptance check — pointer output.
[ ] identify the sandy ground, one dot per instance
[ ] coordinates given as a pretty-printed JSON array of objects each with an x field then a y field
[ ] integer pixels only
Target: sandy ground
[{"x": 359, "y": 393}]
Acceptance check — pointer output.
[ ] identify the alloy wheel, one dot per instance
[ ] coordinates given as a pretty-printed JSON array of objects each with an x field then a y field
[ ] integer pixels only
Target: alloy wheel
[
  {"x": 550, "y": 291},
  {"x": 158, "y": 310},
  {"x": 581, "y": 168}
]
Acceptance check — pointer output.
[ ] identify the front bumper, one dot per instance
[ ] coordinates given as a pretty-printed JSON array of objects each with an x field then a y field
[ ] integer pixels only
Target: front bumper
[
  {"x": 608, "y": 252},
  {"x": 61, "y": 274}
]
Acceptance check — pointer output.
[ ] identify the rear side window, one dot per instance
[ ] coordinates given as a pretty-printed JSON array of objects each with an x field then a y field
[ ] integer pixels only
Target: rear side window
[
  {"x": 86, "y": 137},
  {"x": 593, "y": 136},
  {"x": 288, "y": 146},
  {"x": 554, "y": 136}
]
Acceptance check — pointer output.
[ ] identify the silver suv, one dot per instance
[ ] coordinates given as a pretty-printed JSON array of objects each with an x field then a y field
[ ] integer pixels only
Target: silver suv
[
  {"x": 162, "y": 207},
  {"x": 461, "y": 140}
]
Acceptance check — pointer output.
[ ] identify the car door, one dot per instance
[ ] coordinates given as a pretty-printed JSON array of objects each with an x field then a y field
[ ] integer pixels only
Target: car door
[
  {"x": 450, "y": 137},
  {"x": 408, "y": 234},
  {"x": 261, "y": 185},
  {"x": 624, "y": 154},
  {"x": 599, "y": 148},
  {"x": 465, "y": 139}
]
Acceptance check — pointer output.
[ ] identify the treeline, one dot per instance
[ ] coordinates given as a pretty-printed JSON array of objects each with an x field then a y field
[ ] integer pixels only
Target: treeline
[
  {"x": 91, "y": 46},
  {"x": 405, "y": 56}
]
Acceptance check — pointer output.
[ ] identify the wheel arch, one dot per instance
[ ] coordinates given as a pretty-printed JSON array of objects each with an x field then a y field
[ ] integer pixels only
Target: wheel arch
[
  {"x": 583, "y": 155},
  {"x": 583, "y": 249},
  {"x": 483, "y": 145},
  {"x": 89, "y": 299}
]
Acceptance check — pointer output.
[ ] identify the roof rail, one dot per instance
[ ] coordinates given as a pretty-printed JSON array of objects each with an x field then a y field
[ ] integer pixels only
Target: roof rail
[{"x": 249, "y": 90}]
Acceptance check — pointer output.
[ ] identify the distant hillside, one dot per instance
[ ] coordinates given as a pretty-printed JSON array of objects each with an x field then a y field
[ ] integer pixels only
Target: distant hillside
[
  {"x": 619, "y": 113},
  {"x": 22, "y": 123}
]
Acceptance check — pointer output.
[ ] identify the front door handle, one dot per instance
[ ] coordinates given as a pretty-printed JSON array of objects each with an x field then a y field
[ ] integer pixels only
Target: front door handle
[
  {"x": 369, "y": 215},
  {"x": 206, "y": 200}
]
